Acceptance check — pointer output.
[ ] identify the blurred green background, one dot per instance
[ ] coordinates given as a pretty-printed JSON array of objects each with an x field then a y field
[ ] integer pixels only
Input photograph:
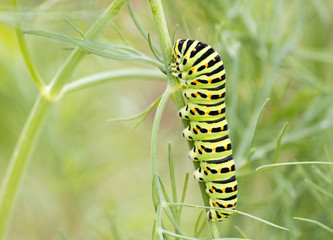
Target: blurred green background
[{"x": 91, "y": 179}]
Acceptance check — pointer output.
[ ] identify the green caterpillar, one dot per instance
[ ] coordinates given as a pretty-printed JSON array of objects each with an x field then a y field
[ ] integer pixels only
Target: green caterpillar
[{"x": 200, "y": 67}]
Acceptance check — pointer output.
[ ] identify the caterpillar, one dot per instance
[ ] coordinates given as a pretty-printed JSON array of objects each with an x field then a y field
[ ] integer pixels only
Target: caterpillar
[{"x": 201, "y": 69}]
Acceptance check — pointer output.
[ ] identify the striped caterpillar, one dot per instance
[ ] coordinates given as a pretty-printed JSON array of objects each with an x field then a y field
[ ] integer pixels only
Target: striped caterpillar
[{"x": 200, "y": 67}]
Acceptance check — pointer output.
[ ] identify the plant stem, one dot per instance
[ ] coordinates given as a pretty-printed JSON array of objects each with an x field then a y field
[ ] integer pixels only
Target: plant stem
[
  {"x": 113, "y": 75},
  {"x": 71, "y": 62},
  {"x": 19, "y": 160},
  {"x": 166, "y": 48}
]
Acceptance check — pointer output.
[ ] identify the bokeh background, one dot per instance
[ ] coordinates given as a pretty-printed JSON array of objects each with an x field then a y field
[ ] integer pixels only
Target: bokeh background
[{"x": 91, "y": 179}]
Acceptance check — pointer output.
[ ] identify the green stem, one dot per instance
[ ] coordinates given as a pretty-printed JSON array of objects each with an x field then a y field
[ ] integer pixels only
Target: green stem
[
  {"x": 157, "y": 120},
  {"x": 72, "y": 61},
  {"x": 162, "y": 31},
  {"x": 19, "y": 160},
  {"x": 166, "y": 48},
  {"x": 103, "y": 77}
]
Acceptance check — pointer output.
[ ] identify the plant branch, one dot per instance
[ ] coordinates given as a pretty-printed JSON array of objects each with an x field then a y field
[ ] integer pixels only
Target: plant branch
[
  {"x": 19, "y": 160},
  {"x": 103, "y": 77},
  {"x": 24, "y": 48},
  {"x": 67, "y": 68}
]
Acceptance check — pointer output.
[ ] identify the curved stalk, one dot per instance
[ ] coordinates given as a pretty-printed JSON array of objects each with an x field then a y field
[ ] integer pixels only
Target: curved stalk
[
  {"x": 19, "y": 160},
  {"x": 103, "y": 77},
  {"x": 24, "y": 49}
]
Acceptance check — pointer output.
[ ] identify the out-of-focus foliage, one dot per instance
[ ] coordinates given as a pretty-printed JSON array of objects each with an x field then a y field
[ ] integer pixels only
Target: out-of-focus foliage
[{"x": 91, "y": 179}]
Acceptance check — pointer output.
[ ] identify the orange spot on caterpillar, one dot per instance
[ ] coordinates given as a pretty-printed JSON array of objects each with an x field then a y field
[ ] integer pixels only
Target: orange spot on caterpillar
[
  {"x": 220, "y": 95},
  {"x": 209, "y": 80},
  {"x": 210, "y": 130},
  {"x": 226, "y": 205},
  {"x": 214, "y": 149},
  {"x": 207, "y": 112},
  {"x": 222, "y": 128},
  {"x": 223, "y": 189},
  {"x": 201, "y": 149},
  {"x": 194, "y": 50},
  {"x": 185, "y": 57},
  {"x": 192, "y": 69},
  {"x": 209, "y": 96},
  {"x": 196, "y": 94},
  {"x": 230, "y": 169},
  {"x": 215, "y": 204},
  {"x": 212, "y": 189},
  {"x": 214, "y": 59},
  {"x": 206, "y": 170},
  {"x": 220, "y": 111},
  {"x": 233, "y": 204},
  {"x": 196, "y": 129},
  {"x": 233, "y": 188},
  {"x": 193, "y": 110},
  {"x": 195, "y": 82},
  {"x": 219, "y": 170},
  {"x": 220, "y": 77},
  {"x": 206, "y": 65},
  {"x": 226, "y": 147}
]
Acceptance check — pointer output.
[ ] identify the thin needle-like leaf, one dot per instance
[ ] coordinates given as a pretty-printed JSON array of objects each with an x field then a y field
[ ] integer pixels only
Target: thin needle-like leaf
[
  {"x": 278, "y": 142},
  {"x": 173, "y": 39},
  {"x": 318, "y": 188},
  {"x": 193, "y": 238},
  {"x": 292, "y": 137},
  {"x": 186, "y": 28},
  {"x": 316, "y": 223},
  {"x": 165, "y": 194},
  {"x": 255, "y": 126},
  {"x": 166, "y": 209},
  {"x": 184, "y": 192},
  {"x": 142, "y": 116},
  {"x": 75, "y": 28},
  {"x": 24, "y": 49},
  {"x": 120, "y": 34},
  {"x": 240, "y": 232},
  {"x": 197, "y": 228},
  {"x": 144, "y": 34},
  {"x": 154, "y": 50},
  {"x": 124, "y": 52},
  {"x": 231, "y": 210},
  {"x": 137, "y": 24},
  {"x": 172, "y": 175},
  {"x": 292, "y": 163},
  {"x": 153, "y": 233}
]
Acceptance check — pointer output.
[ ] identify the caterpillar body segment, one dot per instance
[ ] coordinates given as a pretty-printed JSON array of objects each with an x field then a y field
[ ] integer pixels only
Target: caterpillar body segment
[
  {"x": 201, "y": 69},
  {"x": 203, "y": 96},
  {"x": 210, "y": 172},
  {"x": 202, "y": 112},
  {"x": 205, "y": 130}
]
